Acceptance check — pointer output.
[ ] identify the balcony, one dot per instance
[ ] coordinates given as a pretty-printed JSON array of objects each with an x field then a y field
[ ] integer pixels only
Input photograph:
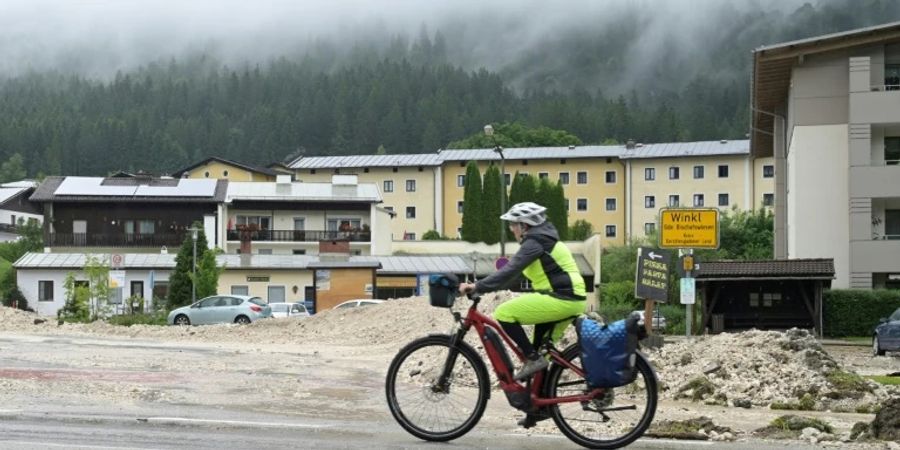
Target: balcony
[
  {"x": 116, "y": 239},
  {"x": 302, "y": 235}
]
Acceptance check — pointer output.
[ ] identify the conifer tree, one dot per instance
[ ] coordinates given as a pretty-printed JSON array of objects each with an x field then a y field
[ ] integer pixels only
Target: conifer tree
[
  {"x": 180, "y": 283},
  {"x": 491, "y": 206},
  {"x": 473, "y": 211}
]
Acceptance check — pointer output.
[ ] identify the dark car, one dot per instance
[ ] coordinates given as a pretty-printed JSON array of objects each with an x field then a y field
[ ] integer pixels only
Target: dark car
[{"x": 887, "y": 335}]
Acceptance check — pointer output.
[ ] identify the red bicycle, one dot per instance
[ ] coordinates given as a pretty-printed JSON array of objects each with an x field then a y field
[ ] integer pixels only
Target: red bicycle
[{"x": 438, "y": 387}]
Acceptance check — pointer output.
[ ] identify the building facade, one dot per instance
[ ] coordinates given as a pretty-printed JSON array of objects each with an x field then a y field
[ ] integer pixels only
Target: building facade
[
  {"x": 828, "y": 110},
  {"x": 409, "y": 185}
]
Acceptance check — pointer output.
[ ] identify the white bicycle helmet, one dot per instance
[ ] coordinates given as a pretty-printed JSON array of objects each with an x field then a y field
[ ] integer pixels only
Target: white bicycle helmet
[{"x": 526, "y": 212}]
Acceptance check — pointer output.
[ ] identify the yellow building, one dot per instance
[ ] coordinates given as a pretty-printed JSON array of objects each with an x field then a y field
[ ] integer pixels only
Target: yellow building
[
  {"x": 711, "y": 174},
  {"x": 592, "y": 179},
  {"x": 407, "y": 184},
  {"x": 224, "y": 169}
]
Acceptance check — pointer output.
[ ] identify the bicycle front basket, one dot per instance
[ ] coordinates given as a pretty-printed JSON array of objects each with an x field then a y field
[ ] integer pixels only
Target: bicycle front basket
[{"x": 442, "y": 289}]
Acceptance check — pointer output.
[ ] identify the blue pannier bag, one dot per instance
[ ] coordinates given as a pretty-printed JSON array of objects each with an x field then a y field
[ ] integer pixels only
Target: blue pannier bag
[{"x": 608, "y": 350}]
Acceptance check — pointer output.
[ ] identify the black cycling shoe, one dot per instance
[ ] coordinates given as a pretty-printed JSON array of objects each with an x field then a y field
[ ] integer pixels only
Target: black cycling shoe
[{"x": 531, "y": 420}]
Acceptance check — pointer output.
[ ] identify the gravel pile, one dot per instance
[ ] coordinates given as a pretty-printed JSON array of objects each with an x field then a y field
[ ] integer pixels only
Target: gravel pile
[
  {"x": 755, "y": 368},
  {"x": 788, "y": 370}
]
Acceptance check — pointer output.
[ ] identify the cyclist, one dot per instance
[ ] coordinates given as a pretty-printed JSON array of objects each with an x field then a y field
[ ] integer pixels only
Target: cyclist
[{"x": 547, "y": 263}]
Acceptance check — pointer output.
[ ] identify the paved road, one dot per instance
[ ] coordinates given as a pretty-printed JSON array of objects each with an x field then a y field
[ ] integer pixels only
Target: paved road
[{"x": 26, "y": 430}]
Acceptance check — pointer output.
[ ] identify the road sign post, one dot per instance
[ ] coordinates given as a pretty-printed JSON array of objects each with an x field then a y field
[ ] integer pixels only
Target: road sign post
[{"x": 652, "y": 277}]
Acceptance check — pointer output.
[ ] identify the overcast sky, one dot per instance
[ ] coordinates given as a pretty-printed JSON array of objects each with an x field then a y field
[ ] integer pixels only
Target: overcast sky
[{"x": 98, "y": 37}]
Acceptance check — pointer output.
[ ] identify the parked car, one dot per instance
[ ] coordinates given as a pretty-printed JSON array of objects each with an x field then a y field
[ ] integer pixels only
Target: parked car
[
  {"x": 289, "y": 310},
  {"x": 659, "y": 322},
  {"x": 359, "y": 302},
  {"x": 241, "y": 309},
  {"x": 887, "y": 335}
]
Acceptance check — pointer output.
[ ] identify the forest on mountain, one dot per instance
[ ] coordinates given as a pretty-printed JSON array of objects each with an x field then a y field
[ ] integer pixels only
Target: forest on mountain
[{"x": 595, "y": 85}]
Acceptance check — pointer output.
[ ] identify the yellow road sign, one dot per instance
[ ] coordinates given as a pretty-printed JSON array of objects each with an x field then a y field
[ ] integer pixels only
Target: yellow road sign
[{"x": 688, "y": 228}]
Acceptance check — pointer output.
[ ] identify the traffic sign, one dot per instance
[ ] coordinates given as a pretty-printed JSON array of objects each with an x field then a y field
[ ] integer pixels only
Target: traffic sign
[
  {"x": 688, "y": 291},
  {"x": 689, "y": 228},
  {"x": 116, "y": 261},
  {"x": 652, "y": 277}
]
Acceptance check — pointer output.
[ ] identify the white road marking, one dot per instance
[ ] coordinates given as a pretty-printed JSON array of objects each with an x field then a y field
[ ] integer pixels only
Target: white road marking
[
  {"x": 53, "y": 444},
  {"x": 245, "y": 423}
]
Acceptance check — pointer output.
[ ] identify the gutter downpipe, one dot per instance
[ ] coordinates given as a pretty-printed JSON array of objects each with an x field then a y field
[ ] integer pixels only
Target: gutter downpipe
[{"x": 780, "y": 152}]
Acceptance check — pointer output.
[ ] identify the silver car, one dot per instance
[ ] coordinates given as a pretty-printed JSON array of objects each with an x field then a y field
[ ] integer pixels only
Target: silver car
[
  {"x": 240, "y": 309},
  {"x": 289, "y": 310}
]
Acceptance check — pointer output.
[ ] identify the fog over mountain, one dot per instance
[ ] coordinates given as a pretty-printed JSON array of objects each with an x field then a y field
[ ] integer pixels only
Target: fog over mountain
[{"x": 611, "y": 44}]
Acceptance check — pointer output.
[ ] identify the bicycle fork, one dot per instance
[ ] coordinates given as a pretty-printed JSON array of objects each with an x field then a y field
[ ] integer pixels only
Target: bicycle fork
[{"x": 443, "y": 381}]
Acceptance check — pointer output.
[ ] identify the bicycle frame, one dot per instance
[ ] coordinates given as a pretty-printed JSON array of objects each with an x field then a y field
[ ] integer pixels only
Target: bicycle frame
[{"x": 481, "y": 323}]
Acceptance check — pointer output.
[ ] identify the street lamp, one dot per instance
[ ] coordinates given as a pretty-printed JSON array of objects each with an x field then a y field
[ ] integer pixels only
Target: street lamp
[
  {"x": 489, "y": 131},
  {"x": 194, "y": 232}
]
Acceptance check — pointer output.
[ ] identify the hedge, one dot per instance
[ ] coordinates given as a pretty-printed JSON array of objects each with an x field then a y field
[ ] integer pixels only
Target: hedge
[{"x": 855, "y": 312}]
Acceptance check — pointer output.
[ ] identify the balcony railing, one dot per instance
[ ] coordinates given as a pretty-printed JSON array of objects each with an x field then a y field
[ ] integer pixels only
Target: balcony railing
[
  {"x": 116, "y": 239},
  {"x": 302, "y": 235}
]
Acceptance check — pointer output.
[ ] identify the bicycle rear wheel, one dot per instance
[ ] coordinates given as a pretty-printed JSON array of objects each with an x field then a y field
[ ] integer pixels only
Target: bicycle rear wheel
[
  {"x": 615, "y": 419},
  {"x": 421, "y": 405}
]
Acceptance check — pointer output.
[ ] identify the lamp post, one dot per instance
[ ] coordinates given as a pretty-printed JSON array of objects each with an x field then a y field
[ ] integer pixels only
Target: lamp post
[
  {"x": 194, "y": 232},
  {"x": 489, "y": 131}
]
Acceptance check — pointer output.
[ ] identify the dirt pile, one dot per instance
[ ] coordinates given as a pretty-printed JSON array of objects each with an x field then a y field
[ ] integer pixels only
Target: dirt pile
[
  {"x": 391, "y": 323},
  {"x": 787, "y": 370}
]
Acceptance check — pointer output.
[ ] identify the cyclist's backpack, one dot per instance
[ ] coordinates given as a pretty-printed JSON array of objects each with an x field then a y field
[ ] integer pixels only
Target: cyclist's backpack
[
  {"x": 608, "y": 350},
  {"x": 442, "y": 289}
]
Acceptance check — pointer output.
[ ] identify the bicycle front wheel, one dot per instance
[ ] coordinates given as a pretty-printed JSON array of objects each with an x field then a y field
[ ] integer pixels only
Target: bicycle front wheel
[
  {"x": 616, "y": 418},
  {"x": 427, "y": 408}
]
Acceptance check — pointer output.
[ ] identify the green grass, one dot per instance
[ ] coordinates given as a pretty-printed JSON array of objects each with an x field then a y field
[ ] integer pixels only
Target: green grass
[
  {"x": 858, "y": 339},
  {"x": 893, "y": 381}
]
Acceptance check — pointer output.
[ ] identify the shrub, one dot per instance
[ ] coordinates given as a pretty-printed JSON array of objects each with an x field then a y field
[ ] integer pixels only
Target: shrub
[
  {"x": 432, "y": 235},
  {"x": 154, "y": 318},
  {"x": 855, "y": 312}
]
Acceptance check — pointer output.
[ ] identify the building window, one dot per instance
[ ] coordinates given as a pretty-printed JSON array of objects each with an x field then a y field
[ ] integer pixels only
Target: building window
[
  {"x": 459, "y": 206},
  {"x": 395, "y": 169},
  {"x": 698, "y": 172},
  {"x": 206, "y": 174},
  {"x": 410, "y": 212},
  {"x": 582, "y": 204},
  {"x": 723, "y": 171},
  {"x": 337, "y": 171},
  {"x": 410, "y": 185},
  {"x": 723, "y": 199},
  {"x": 409, "y": 236},
  {"x": 649, "y": 174},
  {"x": 388, "y": 185},
  {"x": 582, "y": 177},
  {"x": 610, "y": 231},
  {"x": 567, "y": 205},
  {"x": 610, "y": 204},
  {"x": 892, "y": 150},
  {"x": 365, "y": 170},
  {"x": 240, "y": 290},
  {"x": 892, "y": 77},
  {"x": 262, "y": 222},
  {"x": 768, "y": 199},
  {"x": 649, "y": 228},
  {"x": 297, "y": 251},
  {"x": 45, "y": 291},
  {"x": 698, "y": 199},
  {"x": 564, "y": 178},
  {"x": 649, "y": 201},
  {"x": 507, "y": 177},
  {"x": 460, "y": 180},
  {"x": 312, "y": 171},
  {"x": 611, "y": 176},
  {"x": 674, "y": 173},
  {"x": 674, "y": 200},
  {"x": 562, "y": 161},
  {"x": 768, "y": 171},
  {"x": 225, "y": 173},
  {"x": 543, "y": 176},
  {"x": 524, "y": 162}
]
